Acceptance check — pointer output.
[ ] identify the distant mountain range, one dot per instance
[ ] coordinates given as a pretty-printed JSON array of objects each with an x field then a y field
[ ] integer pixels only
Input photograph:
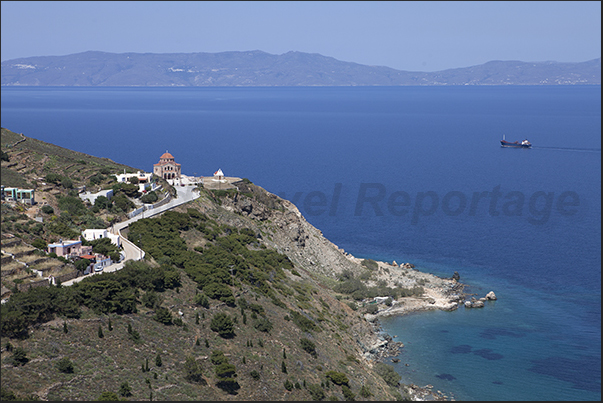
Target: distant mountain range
[{"x": 257, "y": 68}]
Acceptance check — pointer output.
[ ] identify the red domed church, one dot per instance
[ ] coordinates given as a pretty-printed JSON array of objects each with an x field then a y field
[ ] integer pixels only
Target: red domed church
[{"x": 167, "y": 168}]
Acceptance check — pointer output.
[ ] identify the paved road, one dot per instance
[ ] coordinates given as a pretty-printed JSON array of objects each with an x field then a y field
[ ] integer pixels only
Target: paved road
[{"x": 131, "y": 251}]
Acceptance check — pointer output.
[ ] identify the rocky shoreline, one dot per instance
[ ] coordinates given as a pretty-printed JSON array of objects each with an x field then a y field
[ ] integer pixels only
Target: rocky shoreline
[
  {"x": 445, "y": 294},
  {"x": 285, "y": 229}
]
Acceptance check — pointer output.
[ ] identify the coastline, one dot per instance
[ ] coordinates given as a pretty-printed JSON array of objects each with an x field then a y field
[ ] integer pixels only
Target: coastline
[{"x": 445, "y": 294}]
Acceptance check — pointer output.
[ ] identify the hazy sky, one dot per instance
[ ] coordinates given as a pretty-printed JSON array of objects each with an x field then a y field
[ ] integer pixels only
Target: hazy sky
[{"x": 405, "y": 35}]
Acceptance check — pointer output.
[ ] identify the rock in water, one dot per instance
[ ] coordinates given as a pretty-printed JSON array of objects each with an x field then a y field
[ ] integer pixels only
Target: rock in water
[{"x": 491, "y": 296}]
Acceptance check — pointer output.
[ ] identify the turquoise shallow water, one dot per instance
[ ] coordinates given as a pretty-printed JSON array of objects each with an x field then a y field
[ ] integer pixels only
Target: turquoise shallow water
[
  {"x": 511, "y": 349},
  {"x": 348, "y": 156}
]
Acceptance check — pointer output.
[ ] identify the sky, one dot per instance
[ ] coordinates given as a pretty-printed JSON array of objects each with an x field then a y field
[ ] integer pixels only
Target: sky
[{"x": 404, "y": 35}]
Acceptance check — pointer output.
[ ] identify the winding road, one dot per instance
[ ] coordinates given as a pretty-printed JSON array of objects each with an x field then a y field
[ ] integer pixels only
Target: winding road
[{"x": 185, "y": 194}]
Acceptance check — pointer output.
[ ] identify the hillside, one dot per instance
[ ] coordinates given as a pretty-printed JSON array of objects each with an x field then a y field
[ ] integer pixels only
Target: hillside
[
  {"x": 57, "y": 175},
  {"x": 238, "y": 298},
  {"x": 257, "y": 68}
]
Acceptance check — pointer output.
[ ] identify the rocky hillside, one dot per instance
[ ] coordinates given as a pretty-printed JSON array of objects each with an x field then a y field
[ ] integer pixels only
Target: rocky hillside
[
  {"x": 238, "y": 298},
  {"x": 257, "y": 68}
]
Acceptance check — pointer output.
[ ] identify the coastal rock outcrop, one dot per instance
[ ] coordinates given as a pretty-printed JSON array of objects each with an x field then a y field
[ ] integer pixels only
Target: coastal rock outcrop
[
  {"x": 479, "y": 303},
  {"x": 474, "y": 303}
]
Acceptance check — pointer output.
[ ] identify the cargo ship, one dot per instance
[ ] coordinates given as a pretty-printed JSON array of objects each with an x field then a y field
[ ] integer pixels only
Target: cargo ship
[{"x": 515, "y": 144}]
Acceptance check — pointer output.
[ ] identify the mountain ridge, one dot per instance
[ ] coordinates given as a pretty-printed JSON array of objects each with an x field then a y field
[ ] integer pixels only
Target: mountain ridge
[{"x": 259, "y": 68}]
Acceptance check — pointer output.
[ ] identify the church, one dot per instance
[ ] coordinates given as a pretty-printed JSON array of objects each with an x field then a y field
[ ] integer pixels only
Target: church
[{"x": 167, "y": 168}]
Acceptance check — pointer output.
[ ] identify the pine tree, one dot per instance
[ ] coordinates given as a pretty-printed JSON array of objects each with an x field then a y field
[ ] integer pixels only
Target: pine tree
[
  {"x": 197, "y": 318},
  {"x": 283, "y": 367},
  {"x": 65, "y": 329},
  {"x": 197, "y": 342},
  {"x": 125, "y": 390},
  {"x": 206, "y": 343},
  {"x": 100, "y": 332},
  {"x": 146, "y": 365},
  {"x": 288, "y": 385},
  {"x": 158, "y": 360},
  {"x": 110, "y": 325},
  {"x": 284, "y": 354}
]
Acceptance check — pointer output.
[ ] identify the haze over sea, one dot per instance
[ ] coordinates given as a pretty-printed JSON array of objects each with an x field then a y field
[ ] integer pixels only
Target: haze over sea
[{"x": 411, "y": 174}]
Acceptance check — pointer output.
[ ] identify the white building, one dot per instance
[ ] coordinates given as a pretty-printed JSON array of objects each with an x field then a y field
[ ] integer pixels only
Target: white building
[
  {"x": 144, "y": 180},
  {"x": 219, "y": 175},
  {"x": 91, "y": 197},
  {"x": 92, "y": 234}
]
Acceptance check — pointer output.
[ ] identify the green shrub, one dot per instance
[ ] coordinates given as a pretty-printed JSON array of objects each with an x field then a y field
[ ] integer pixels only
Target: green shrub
[
  {"x": 222, "y": 324},
  {"x": 192, "y": 372},
  {"x": 316, "y": 392},
  {"x": 225, "y": 370},
  {"x": 151, "y": 299},
  {"x": 257, "y": 308},
  {"x": 47, "y": 209},
  {"x": 220, "y": 292},
  {"x": 82, "y": 264},
  {"x": 149, "y": 198},
  {"x": 201, "y": 300},
  {"x": 217, "y": 357},
  {"x": 163, "y": 315},
  {"x": 66, "y": 182},
  {"x": 65, "y": 365},
  {"x": 388, "y": 373},
  {"x": 108, "y": 396},
  {"x": 19, "y": 357},
  {"x": 370, "y": 264},
  {"x": 263, "y": 325},
  {"x": 308, "y": 346},
  {"x": 338, "y": 378},
  {"x": 255, "y": 374},
  {"x": 53, "y": 178},
  {"x": 125, "y": 390},
  {"x": 365, "y": 392},
  {"x": 226, "y": 374},
  {"x": 347, "y": 393},
  {"x": 372, "y": 309},
  {"x": 305, "y": 324}
]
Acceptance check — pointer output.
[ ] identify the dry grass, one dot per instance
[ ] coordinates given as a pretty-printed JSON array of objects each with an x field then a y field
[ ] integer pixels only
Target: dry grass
[
  {"x": 18, "y": 248},
  {"x": 12, "y": 265},
  {"x": 48, "y": 264}
]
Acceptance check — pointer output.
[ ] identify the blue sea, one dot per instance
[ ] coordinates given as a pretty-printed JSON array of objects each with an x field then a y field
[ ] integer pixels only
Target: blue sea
[{"x": 411, "y": 174}]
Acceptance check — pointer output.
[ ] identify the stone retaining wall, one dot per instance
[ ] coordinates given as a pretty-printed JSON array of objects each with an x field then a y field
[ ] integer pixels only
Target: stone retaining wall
[
  {"x": 32, "y": 284},
  {"x": 23, "y": 253}
]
